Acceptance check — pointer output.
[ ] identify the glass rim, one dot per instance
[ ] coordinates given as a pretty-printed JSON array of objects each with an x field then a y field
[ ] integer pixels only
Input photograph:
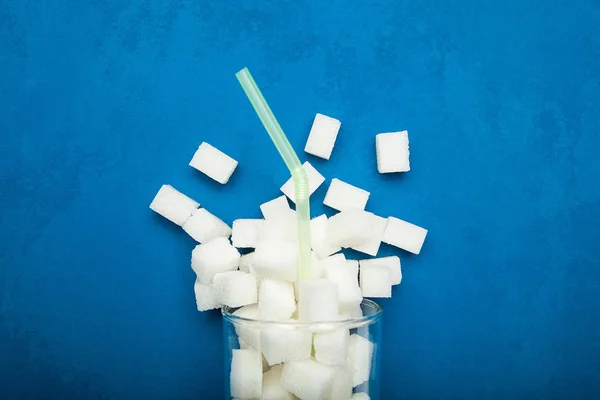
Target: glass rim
[{"x": 357, "y": 321}]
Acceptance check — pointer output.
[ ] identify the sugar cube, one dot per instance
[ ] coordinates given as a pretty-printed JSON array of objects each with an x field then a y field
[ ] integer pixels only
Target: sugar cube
[
  {"x": 331, "y": 348},
  {"x": 317, "y": 301},
  {"x": 351, "y": 311},
  {"x": 249, "y": 336},
  {"x": 245, "y": 232},
  {"x": 214, "y": 163},
  {"x": 276, "y": 260},
  {"x": 319, "y": 239},
  {"x": 404, "y": 235},
  {"x": 211, "y": 258},
  {"x": 246, "y": 262},
  {"x": 173, "y": 205},
  {"x": 344, "y": 274},
  {"x": 204, "y": 226},
  {"x": 315, "y": 179},
  {"x": 360, "y": 396},
  {"x": 307, "y": 379},
  {"x": 282, "y": 227},
  {"x": 350, "y": 228},
  {"x": 360, "y": 354},
  {"x": 205, "y": 299},
  {"x": 235, "y": 288},
  {"x": 371, "y": 247},
  {"x": 285, "y": 343},
  {"x": 392, "y": 152},
  {"x": 273, "y": 208},
  {"x": 321, "y": 138},
  {"x": 246, "y": 374},
  {"x": 341, "y": 386},
  {"x": 343, "y": 196},
  {"x": 276, "y": 300},
  {"x": 393, "y": 263},
  {"x": 375, "y": 281},
  {"x": 272, "y": 389}
]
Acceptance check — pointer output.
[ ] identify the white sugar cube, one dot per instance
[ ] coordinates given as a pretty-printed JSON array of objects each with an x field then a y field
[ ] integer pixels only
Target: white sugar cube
[
  {"x": 393, "y": 263},
  {"x": 331, "y": 348},
  {"x": 276, "y": 260},
  {"x": 318, "y": 237},
  {"x": 276, "y": 300},
  {"x": 341, "y": 387},
  {"x": 272, "y": 389},
  {"x": 282, "y": 227},
  {"x": 350, "y": 312},
  {"x": 235, "y": 288},
  {"x": 343, "y": 196},
  {"x": 317, "y": 301},
  {"x": 246, "y": 262},
  {"x": 211, "y": 258},
  {"x": 282, "y": 344},
  {"x": 214, "y": 163},
  {"x": 360, "y": 354},
  {"x": 404, "y": 235},
  {"x": 204, "y": 226},
  {"x": 360, "y": 396},
  {"x": 375, "y": 281},
  {"x": 392, "y": 152},
  {"x": 350, "y": 228},
  {"x": 173, "y": 205},
  {"x": 205, "y": 299},
  {"x": 315, "y": 179},
  {"x": 321, "y": 138},
  {"x": 273, "y": 208},
  {"x": 246, "y": 374},
  {"x": 245, "y": 232},
  {"x": 344, "y": 274},
  {"x": 249, "y": 336},
  {"x": 371, "y": 247},
  {"x": 307, "y": 379}
]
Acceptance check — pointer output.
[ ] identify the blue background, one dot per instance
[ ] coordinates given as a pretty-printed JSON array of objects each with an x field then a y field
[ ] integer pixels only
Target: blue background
[{"x": 101, "y": 102}]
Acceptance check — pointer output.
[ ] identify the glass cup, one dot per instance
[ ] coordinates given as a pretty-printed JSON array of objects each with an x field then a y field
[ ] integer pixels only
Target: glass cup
[{"x": 336, "y": 360}]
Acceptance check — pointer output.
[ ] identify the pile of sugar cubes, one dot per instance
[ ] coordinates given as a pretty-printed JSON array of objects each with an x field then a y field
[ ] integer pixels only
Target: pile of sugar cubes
[{"x": 279, "y": 362}]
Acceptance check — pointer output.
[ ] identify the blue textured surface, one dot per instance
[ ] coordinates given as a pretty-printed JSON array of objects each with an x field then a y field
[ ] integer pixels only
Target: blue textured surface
[{"x": 101, "y": 102}]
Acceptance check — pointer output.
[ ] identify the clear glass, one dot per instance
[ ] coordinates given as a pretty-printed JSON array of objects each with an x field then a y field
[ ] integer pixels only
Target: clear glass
[{"x": 333, "y": 360}]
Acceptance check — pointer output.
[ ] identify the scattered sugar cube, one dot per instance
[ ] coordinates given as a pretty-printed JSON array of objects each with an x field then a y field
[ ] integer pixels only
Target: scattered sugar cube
[
  {"x": 331, "y": 348},
  {"x": 317, "y": 300},
  {"x": 393, "y": 263},
  {"x": 392, "y": 152},
  {"x": 204, "y": 226},
  {"x": 246, "y": 374},
  {"x": 350, "y": 228},
  {"x": 272, "y": 389},
  {"x": 404, "y": 235},
  {"x": 245, "y": 232},
  {"x": 375, "y": 281},
  {"x": 315, "y": 179},
  {"x": 318, "y": 237},
  {"x": 360, "y": 396},
  {"x": 343, "y": 196},
  {"x": 235, "y": 288},
  {"x": 282, "y": 344},
  {"x": 276, "y": 300},
  {"x": 214, "y": 163},
  {"x": 341, "y": 387},
  {"x": 246, "y": 262},
  {"x": 344, "y": 274},
  {"x": 173, "y": 205},
  {"x": 360, "y": 354},
  {"x": 205, "y": 299},
  {"x": 276, "y": 260},
  {"x": 211, "y": 258},
  {"x": 249, "y": 337},
  {"x": 307, "y": 379},
  {"x": 321, "y": 138},
  {"x": 371, "y": 247},
  {"x": 273, "y": 208},
  {"x": 282, "y": 227}
]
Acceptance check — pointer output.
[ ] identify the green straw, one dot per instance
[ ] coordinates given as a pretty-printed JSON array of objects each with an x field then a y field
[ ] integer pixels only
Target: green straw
[{"x": 291, "y": 161}]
